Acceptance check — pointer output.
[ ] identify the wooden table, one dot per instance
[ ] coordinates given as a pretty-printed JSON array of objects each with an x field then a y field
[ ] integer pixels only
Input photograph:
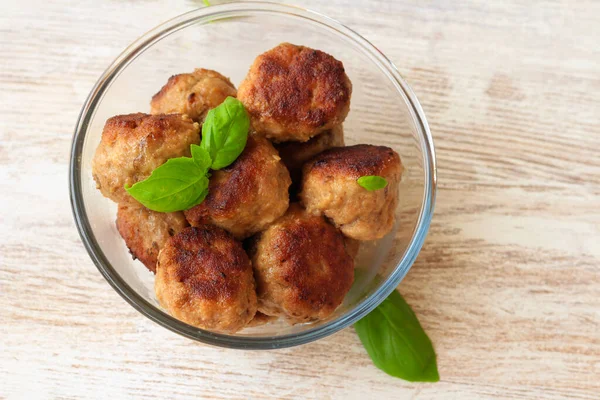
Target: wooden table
[{"x": 507, "y": 284}]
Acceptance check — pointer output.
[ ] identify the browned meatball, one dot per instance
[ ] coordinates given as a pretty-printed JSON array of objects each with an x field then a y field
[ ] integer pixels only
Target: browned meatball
[
  {"x": 145, "y": 231},
  {"x": 204, "y": 278},
  {"x": 329, "y": 187},
  {"x": 294, "y": 93},
  {"x": 133, "y": 145},
  {"x": 245, "y": 197},
  {"x": 301, "y": 267},
  {"x": 295, "y": 154},
  {"x": 192, "y": 94}
]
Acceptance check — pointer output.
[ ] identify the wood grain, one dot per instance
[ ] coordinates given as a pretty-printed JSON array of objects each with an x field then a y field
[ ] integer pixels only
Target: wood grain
[{"x": 507, "y": 285}]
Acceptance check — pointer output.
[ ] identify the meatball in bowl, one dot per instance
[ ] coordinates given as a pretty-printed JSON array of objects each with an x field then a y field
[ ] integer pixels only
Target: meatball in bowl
[
  {"x": 204, "y": 278},
  {"x": 279, "y": 252},
  {"x": 248, "y": 195},
  {"x": 330, "y": 187},
  {"x": 193, "y": 94},
  {"x": 302, "y": 267},
  {"x": 133, "y": 145},
  {"x": 295, "y": 92}
]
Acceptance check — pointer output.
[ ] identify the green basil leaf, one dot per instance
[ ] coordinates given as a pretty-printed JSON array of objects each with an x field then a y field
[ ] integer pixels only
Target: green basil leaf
[
  {"x": 206, "y": 3},
  {"x": 176, "y": 185},
  {"x": 201, "y": 157},
  {"x": 225, "y": 131},
  {"x": 397, "y": 343},
  {"x": 372, "y": 182}
]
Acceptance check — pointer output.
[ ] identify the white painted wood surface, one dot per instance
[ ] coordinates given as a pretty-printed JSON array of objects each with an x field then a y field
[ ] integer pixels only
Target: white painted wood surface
[{"x": 507, "y": 285}]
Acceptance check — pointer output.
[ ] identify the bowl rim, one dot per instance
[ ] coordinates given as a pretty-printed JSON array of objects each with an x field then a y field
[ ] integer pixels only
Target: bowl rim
[{"x": 204, "y": 15}]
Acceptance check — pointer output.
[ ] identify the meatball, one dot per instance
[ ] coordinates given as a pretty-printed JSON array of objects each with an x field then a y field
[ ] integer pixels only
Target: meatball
[
  {"x": 133, "y": 145},
  {"x": 192, "y": 94},
  {"x": 301, "y": 267},
  {"x": 245, "y": 197},
  {"x": 329, "y": 187},
  {"x": 145, "y": 231},
  {"x": 295, "y": 154},
  {"x": 294, "y": 93},
  {"x": 204, "y": 278}
]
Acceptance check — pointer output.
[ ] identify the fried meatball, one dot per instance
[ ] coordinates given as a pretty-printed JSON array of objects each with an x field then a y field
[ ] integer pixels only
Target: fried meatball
[
  {"x": 301, "y": 267},
  {"x": 192, "y": 94},
  {"x": 245, "y": 197},
  {"x": 145, "y": 231},
  {"x": 133, "y": 145},
  {"x": 294, "y": 93},
  {"x": 295, "y": 154},
  {"x": 329, "y": 187},
  {"x": 204, "y": 278}
]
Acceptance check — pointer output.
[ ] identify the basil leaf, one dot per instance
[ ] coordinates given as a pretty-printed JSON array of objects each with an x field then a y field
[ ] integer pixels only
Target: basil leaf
[
  {"x": 206, "y": 3},
  {"x": 372, "y": 182},
  {"x": 225, "y": 131},
  {"x": 201, "y": 157},
  {"x": 176, "y": 185},
  {"x": 181, "y": 183},
  {"x": 397, "y": 343}
]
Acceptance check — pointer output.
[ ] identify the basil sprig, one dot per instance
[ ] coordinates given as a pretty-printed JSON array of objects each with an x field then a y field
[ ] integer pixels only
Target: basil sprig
[
  {"x": 397, "y": 343},
  {"x": 181, "y": 183},
  {"x": 178, "y": 184},
  {"x": 225, "y": 132},
  {"x": 372, "y": 182}
]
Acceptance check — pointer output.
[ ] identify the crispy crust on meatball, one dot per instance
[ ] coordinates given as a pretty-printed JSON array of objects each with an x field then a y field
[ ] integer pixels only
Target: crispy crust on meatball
[
  {"x": 204, "y": 278},
  {"x": 133, "y": 145},
  {"x": 329, "y": 187},
  {"x": 145, "y": 231},
  {"x": 294, "y": 93},
  {"x": 301, "y": 267},
  {"x": 295, "y": 154},
  {"x": 245, "y": 197},
  {"x": 193, "y": 94}
]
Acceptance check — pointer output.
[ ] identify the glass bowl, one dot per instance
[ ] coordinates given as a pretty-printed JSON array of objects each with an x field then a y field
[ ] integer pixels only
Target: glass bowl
[{"x": 227, "y": 38}]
